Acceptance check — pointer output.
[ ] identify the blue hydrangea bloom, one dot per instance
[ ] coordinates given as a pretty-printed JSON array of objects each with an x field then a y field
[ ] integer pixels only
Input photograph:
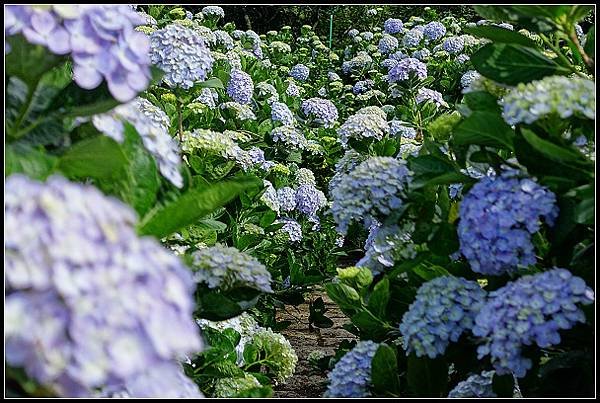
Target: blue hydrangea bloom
[
  {"x": 208, "y": 97},
  {"x": 289, "y": 136},
  {"x": 454, "y": 44},
  {"x": 182, "y": 54},
  {"x": 389, "y": 63},
  {"x": 399, "y": 128},
  {"x": 532, "y": 309},
  {"x": 240, "y": 87},
  {"x": 213, "y": 11},
  {"x": 468, "y": 78},
  {"x": 462, "y": 58},
  {"x": 387, "y": 44},
  {"x": 367, "y": 36},
  {"x": 350, "y": 160},
  {"x": 353, "y": 32},
  {"x": 292, "y": 90},
  {"x": 421, "y": 54},
  {"x": 333, "y": 76},
  {"x": 429, "y": 95},
  {"x": 309, "y": 200},
  {"x": 374, "y": 188},
  {"x": 406, "y": 68},
  {"x": 351, "y": 376},
  {"x": 300, "y": 72},
  {"x": 443, "y": 310},
  {"x": 478, "y": 385},
  {"x": 392, "y": 26},
  {"x": 222, "y": 38},
  {"x": 287, "y": 198},
  {"x": 363, "y": 126},
  {"x": 362, "y": 86},
  {"x": 497, "y": 218},
  {"x": 305, "y": 176},
  {"x": 323, "y": 110},
  {"x": 281, "y": 113},
  {"x": 413, "y": 38},
  {"x": 292, "y": 228},
  {"x": 387, "y": 244},
  {"x": 434, "y": 30}
]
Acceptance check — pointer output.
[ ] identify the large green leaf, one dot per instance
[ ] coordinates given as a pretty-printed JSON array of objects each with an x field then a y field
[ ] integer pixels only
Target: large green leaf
[
  {"x": 98, "y": 157},
  {"x": 75, "y": 101},
  {"x": 514, "y": 64},
  {"x": 210, "y": 83},
  {"x": 20, "y": 158},
  {"x": 384, "y": 371},
  {"x": 554, "y": 152},
  {"x": 427, "y": 377},
  {"x": 500, "y": 35},
  {"x": 590, "y": 42},
  {"x": 193, "y": 205},
  {"x": 379, "y": 298},
  {"x": 482, "y": 101},
  {"x": 27, "y": 61},
  {"x": 485, "y": 129}
]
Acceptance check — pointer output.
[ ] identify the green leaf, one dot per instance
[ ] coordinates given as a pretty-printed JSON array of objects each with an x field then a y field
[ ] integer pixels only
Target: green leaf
[
  {"x": 380, "y": 297},
  {"x": 76, "y": 101},
  {"x": 21, "y": 158},
  {"x": 590, "y": 43},
  {"x": 27, "y": 61},
  {"x": 193, "y": 205},
  {"x": 429, "y": 272},
  {"x": 218, "y": 226},
  {"x": 213, "y": 82},
  {"x": 267, "y": 218},
  {"x": 250, "y": 353},
  {"x": 514, "y": 64},
  {"x": 500, "y": 35},
  {"x": 216, "y": 306},
  {"x": 584, "y": 212},
  {"x": 445, "y": 240},
  {"x": 552, "y": 151},
  {"x": 482, "y": 101},
  {"x": 427, "y": 377},
  {"x": 98, "y": 157},
  {"x": 485, "y": 129},
  {"x": 384, "y": 371},
  {"x": 343, "y": 295},
  {"x": 503, "y": 385}
]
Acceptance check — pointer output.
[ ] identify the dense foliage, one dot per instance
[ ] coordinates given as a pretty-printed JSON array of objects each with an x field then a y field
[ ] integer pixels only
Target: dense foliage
[{"x": 172, "y": 179}]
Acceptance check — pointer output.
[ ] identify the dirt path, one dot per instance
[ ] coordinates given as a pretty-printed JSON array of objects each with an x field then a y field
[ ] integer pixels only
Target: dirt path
[{"x": 306, "y": 382}]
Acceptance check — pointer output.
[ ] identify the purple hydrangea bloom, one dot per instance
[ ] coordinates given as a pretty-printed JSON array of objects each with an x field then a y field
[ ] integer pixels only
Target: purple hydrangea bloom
[
  {"x": 351, "y": 376},
  {"x": 478, "y": 385},
  {"x": 443, "y": 310},
  {"x": 454, "y": 44},
  {"x": 309, "y": 200},
  {"x": 89, "y": 304},
  {"x": 387, "y": 44},
  {"x": 406, "y": 68},
  {"x": 240, "y": 87},
  {"x": 300, "y": 72},
  {"x": 532, "y": 309},
  {"x": 281, "y": 113},
  {"x": 182, "y": 54},
  {"x": 429, "y": 95},
  {"x": 434, "y": 30},
  {"x": 226, "y": 268},
  {"x": 323, "y": 110},
  {"x": 497, "y": 218},
  {"x": 286, "y": 197},
  {"x": 292, "y": 228},
  {"x": 362, "y": 86},
  {"x": 392, "y": 26},
  {"x": 374, "y": 188}
]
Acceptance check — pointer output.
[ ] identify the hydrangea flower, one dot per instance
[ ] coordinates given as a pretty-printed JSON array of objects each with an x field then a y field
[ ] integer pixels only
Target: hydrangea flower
[
  {"x": 558, "y": 95},
  {"x": 281, "y": 113},
  {"x": 529, "y": 310},
  {"x": 386, "y": 245},
  {"x": 292, "y": 90},
  {"x": 291, "y": 228},
  {"x": 323, "y": 110},
  {"x": 240, "y": 87},
  {"x": 213, "y": 11},
  {"x": 208, "y": 97},
  {"x": 362, "y": 86},
  {"x": 413, "y": 38},
  {"x": 280, "y": 47},
  {"x": 289, "y": 136},
  {"x": 434, "y": 30},
  {"x": 309, "y": 200},
  {"x": 392, "y": 26},
  {"x": 113, "y": 52},
  {"x": 98, "y": 314},
  {"x": 374, "y": 188},
  {"x": 333, "y": 76},
  {"x": 351, "y": 376},
  {"x": 443, "y": 310},
  {"x": 406, "y": 68},
  {"x": 350, "y": 160},
  {"x": 454, "y": 44},
  {"x": 421, "y": 54},
  {"x": 231, "y": 387},
  {"x": 227, "y": 267},
  {"x": 468, "y": 78},
  {"x": 305, "y": 176},
  {"x": 398, "y": 128},
  {"x": 367, "y": 36},
  {"x": 267, "y": 90},
  {"x": 362, "y": 60},
  {"x": 362, "y": 126},
  {"x": 241, "y": 111},
  {"x": 478, "y": 385},
  {"x": 208, "y": 141},
  {"x": 300, "y": 72},
  {"x": 287, "y": 198},
  {"x": 429, "y": 95},
  {"x": 389, "y": 63},
  {"x": 282, "y": 357},
  {"x": 353, "y": 32},
  {"x": 269, "y": 196},
  {"x": 462, "y": 58},
  {"x": 387, "y": 44},
  {"x": 222, "y": 38},
  {"x": 497, "y": 218},
  {"x": 182, "y": 54},
  {"x": 152, "y": 124}
]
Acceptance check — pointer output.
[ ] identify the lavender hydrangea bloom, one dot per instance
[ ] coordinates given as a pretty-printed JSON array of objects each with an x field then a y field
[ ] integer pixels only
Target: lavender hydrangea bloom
[
  {"x": 462, "y": 58},
  {"x": 309, "y": 200},
  {"x": 182, "y": 54},
  {"x": 351, "y": 376},
  {"x": 413, "y": 38},
  {"x": 281, "y": 113},
  {"x": 224, "y": 39},
  {"x": 362, "y": 86},
  {"x": 152, "y": 124},
  {"x": 398, "y": 128},
  {"x": 389, "y": 63},
  {"x": 387, "y": 44},
  {"x": 429, "y": 95},
  {"x": 300, "y": 72},
  {"x": 392, "y": 26},
  {"x": 292, "y": 90},
  {"x": 98, "y": 314},
  {"x": 443, "y": 310},
  {"x": 386, "y": 245},
  {"x": 287, "y": 198},
  {"x": 289, "y": 136},
  {"x": 323, "y": 110},
  {"x": 208, "y": 97},
  {"x": 478, "y": 385},
  {"x": 454, "y": 44},
  {"x": 292, "y": 228},
  {"x": 374, "y": 188},
  {"x": 362, "y": 126},
  {"x": 434, "y": 30},
  {"x": 227, "y": 267},
  {"x": 406, "y": 68},
  {"x": 240, "y": 87},
  {"x": 529, "y": 310},
  {"x": 213, "y": 11},
  {"x": 497, "y": 217},
  {"x": 468, "y": 78}
]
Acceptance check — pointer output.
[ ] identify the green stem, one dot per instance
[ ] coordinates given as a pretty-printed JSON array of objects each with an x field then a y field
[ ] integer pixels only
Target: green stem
[{"x": 566, "y": 62}]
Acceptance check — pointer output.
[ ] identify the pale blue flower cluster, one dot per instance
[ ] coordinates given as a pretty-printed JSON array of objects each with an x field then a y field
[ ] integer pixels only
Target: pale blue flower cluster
[
  {"x": 89, "y": 304},
  {"x": 469, "y": 78},
  {"x": 478, "y": 385},
  {"x": 286, "y": 196},
  {"x": 289, "y": 136},
  {"x": 292, "y": 90},
  {"x": 462, "y": 58},
  {"x": 240, "y": 87},
  {"x": 222, "y": 38},
  {"x": 290, "y": 227},
  {"x": 300, "y": 72},
  {"x": 413, "y": 38},
  {"x": 351, "y": 376},
  {"x": 353, "y": 32},
  {"x": 281, "y": 113},
  {"x": 362, "y": 86},
  {"x": 530, "y": 310},
  {"x": 392, "y": 26},
  {"x": 323, "y": 110},
  {"x": 434, "y": 30},
  {"x": 497, "y": 218},
  {"x": 387, "y": 44},
  {"x": 374, "y": 188},
  {"x": 407, "y": 68},
  {"x": 399, "y": 128},
  {"x": 182, "y": 54},
  {"x": 208, "y": 97},
  {"x": 309, "y": 200},
  {"x": 213, "y": 11},
  {"x": 421, "y": 54},
  {"x": 454, "y": 44},
  {"x": 363, "y": 126},
  {"x": 443, "y": 310},
  {"x": 386, "y": 245},
  {"x": 361, "y": 61},
  {"x": 429, "y": 95}
]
